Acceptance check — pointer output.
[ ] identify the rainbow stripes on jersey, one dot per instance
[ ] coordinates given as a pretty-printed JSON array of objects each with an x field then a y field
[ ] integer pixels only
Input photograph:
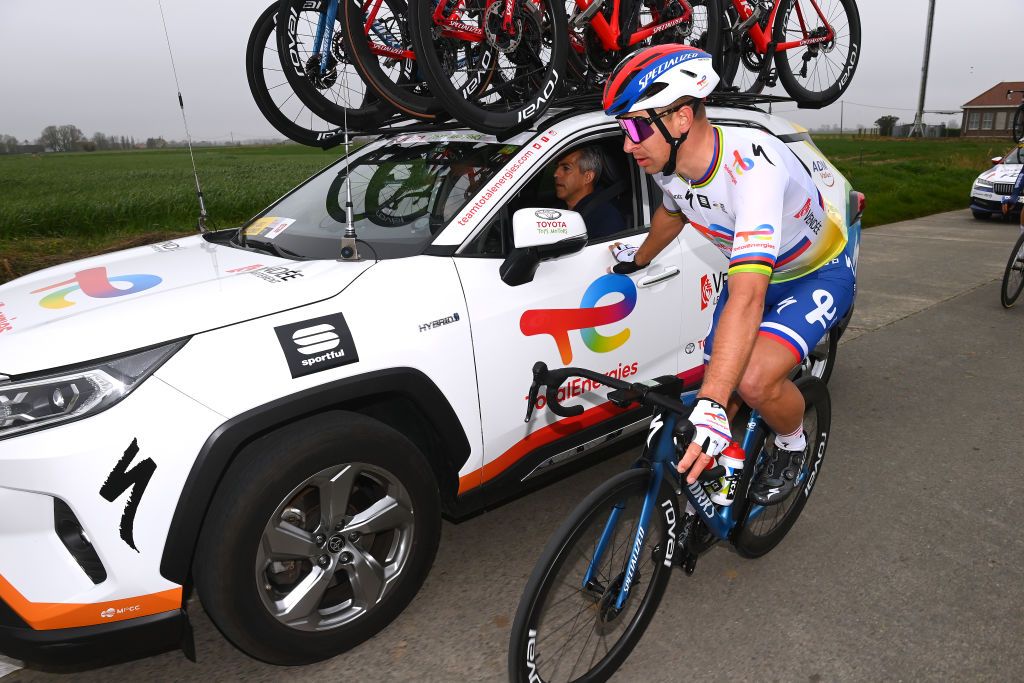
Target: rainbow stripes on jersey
[{"x": 716, "y": 162}]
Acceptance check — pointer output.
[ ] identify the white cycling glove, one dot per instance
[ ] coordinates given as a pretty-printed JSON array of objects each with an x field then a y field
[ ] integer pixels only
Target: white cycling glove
[
  {"x": 625, "y": 255},
  {"x": 712, "y": 425}
]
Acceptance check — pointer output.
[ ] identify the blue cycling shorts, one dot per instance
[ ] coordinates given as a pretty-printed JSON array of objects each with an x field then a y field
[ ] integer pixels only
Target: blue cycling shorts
[{"x": 798, "y": 313}]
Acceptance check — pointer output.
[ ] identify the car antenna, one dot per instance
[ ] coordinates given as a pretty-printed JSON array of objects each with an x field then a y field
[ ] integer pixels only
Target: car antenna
[
  {"x": 349, "y": 248},
  {"x": 188, "y": 136}
]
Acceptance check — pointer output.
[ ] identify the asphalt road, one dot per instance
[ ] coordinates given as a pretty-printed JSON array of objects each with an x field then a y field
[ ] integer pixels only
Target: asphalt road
[{"x": 907, "y": 564}]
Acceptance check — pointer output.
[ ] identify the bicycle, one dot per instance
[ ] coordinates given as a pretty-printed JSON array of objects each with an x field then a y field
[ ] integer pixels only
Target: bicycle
[
  {"x": 1017, "y": 130},
  {"x": 788, "y": 35},
  {"x": 517, "y": 52},
  {"x": 604, "y": 571},
  {"x": 1013, "y": 275}
]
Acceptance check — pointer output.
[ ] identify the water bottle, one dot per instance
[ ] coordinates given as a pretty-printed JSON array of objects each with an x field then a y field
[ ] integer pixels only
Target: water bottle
[{"x": 723, "y": 491}]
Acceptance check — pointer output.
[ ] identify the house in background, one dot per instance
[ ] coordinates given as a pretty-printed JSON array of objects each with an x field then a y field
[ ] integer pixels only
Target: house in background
[{"x": 990, "y": 114}]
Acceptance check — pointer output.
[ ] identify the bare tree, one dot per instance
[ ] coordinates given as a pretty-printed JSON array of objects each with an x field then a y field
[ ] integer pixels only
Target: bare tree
[
  {"x": 49, "y": 138},
  {"x": 8, "y": 144}
]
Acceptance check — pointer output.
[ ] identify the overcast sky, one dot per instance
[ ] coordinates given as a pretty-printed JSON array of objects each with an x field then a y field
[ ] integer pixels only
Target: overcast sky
[{"x": 103, "y": 65}]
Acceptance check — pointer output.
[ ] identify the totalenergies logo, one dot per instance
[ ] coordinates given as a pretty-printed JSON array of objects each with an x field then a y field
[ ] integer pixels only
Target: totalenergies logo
[
  {"x": 558, "y": 322},
  {"x": 763, "y": 233},
  {"x": 95, "y": 283},
  {"x": 741, "y": 163}
]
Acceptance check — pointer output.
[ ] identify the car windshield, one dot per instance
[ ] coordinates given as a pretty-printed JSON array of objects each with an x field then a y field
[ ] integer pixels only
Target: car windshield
[
  {"x": 1016, "y": 156},
  {"x": 403, "y": 193}
]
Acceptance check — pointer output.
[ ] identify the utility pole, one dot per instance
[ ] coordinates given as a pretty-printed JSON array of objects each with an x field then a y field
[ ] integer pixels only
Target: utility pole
[
  {"x": 842, "y": 109},
  {"x": 918, "y": 129}
]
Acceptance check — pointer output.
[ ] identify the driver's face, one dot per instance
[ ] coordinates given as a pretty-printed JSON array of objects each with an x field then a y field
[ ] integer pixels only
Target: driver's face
[{"x": 571, "y": 184}]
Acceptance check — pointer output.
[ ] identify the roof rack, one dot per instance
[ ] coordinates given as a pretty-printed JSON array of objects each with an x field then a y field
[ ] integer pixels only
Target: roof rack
[{"x": 560, "y": 109}]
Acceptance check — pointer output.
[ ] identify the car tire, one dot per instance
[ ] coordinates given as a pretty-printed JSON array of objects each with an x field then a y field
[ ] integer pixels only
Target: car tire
[
  {"x": 981, "y": 215},
  {"x": 319, "y": 535}
]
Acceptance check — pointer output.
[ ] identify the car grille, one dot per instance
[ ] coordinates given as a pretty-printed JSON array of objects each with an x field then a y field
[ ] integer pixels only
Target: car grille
[{"x": 1003, "y": 188}]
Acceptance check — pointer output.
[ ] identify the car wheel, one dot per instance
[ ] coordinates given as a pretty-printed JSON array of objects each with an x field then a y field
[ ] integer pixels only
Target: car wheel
[
  {"x": 981, "y": 215},
  {"x": 319, "y": 536}
]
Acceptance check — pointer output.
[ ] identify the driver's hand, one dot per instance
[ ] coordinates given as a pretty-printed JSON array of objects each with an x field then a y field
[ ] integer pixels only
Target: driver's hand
[
  {"x": 625, "y": 255},
  {"x": 712, "y": 436}
]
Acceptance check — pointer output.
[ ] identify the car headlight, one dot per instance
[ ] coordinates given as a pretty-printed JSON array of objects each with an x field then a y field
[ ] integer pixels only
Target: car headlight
[
  {"x": 983, "y": 186},
  {"x": 30, "y": 404}
]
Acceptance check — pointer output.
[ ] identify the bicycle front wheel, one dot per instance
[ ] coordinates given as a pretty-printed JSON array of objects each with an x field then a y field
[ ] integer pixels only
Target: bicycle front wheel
[
  {"x": 567, "y": 628},
  {"x": 337, "y": 93},
  {"x": 272, "y": 92},
  {"x": 490, "y": 76},
  {"x": 1013, "y": 276},
  {"x": 764, "y": 527},
  {"x": 1018, "y": 125},
  {"x": 817, "y": 74}
]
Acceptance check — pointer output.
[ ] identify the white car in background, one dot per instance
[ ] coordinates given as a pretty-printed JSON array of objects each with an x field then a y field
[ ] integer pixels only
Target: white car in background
[
  {"x": 996, "y": 183},
  {"x": 244, "y": 415}
]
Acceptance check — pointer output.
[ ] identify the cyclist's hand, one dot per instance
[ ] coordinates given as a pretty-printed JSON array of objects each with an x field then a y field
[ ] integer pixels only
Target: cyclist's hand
[
  {"x": 1006, "y": 208},
  {"x": 625, "y": 255},
  {"x": 712, "y": 436}
]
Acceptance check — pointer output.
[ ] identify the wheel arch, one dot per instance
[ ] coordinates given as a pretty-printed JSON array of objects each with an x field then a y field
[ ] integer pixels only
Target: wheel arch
[{"x": 402, "y": 398}]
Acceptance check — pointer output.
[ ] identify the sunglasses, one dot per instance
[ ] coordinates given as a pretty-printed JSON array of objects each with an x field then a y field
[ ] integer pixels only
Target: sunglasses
[{"x": 639, "y": 128}]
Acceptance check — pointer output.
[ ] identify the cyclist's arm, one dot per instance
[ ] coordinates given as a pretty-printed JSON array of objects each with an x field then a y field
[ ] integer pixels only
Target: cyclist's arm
[{"x": 665, "y": 227}]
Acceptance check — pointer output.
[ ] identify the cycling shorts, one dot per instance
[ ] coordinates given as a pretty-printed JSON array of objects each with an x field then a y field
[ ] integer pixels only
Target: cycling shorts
[{"x": 798, "y": 313}]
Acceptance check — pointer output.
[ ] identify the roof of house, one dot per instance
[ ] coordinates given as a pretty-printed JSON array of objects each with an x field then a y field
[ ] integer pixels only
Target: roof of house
[{"x": 996, "y": 95}]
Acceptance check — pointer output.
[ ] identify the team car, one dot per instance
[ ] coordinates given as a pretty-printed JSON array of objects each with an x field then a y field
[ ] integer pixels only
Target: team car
[
  {"x": 246, "y": 415},
  {"x": 993, "y": 185}
]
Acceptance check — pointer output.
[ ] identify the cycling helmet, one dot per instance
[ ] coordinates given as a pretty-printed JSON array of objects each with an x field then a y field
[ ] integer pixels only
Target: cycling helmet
[{"x": 655, "y": 77}]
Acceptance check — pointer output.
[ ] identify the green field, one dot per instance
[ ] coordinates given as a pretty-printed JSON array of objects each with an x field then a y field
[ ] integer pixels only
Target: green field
[{"x": 57, "y": 207}]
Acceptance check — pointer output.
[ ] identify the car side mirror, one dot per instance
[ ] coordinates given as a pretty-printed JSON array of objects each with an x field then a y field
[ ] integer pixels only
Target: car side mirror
[
  {"x": 996, "y": 161},
  {"x": 539, "y": 235}
]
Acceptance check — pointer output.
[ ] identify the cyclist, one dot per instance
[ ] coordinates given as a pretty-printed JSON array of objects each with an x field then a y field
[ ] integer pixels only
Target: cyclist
[{"x": 789, "y": 280}]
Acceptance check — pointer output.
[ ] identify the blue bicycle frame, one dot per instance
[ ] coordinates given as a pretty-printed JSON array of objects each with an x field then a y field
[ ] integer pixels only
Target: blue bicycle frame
[{"x": 720, "y": 520}]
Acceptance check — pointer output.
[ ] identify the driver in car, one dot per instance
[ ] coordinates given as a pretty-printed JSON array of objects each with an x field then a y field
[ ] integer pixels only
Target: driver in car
[{"x": 576, "y": 175}]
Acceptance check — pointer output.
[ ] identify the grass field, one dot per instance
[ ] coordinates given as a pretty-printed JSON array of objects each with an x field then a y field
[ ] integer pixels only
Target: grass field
[{"x": 58, "y": 207}]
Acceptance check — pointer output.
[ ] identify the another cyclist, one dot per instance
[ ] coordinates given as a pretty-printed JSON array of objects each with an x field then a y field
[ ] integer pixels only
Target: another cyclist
[{"x": 745, "y": 191}]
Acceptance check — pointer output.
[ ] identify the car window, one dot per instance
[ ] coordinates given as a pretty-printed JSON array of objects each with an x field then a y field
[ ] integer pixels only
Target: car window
[
  {"x": 617, "y": 188},
  {"x": 1016, "y": 156},
  {"x": 402, "y": 193}
]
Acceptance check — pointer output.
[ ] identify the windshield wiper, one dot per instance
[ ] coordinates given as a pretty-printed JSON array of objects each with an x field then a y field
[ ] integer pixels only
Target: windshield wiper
[{"x": 280, "y": 252}]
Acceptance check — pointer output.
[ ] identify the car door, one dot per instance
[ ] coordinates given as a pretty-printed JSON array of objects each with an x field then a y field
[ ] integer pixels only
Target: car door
[{"x": 545, "y": 319}]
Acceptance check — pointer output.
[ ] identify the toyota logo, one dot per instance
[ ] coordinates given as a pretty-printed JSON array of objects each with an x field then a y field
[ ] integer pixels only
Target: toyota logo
[
  {"x": 336, "y": 544},
  {"x": 547, "y": 214}
]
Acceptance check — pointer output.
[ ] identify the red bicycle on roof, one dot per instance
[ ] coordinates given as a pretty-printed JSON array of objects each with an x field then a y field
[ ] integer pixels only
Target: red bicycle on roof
[{"x": 812, "y": 51}]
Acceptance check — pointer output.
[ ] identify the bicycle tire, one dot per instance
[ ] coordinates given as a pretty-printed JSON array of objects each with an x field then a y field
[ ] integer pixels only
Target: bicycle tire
[
  {"x": 1018, "y": 125},
  {"x": 340, "y": 98},
  {"x": 822, "y": 358},
  {"x": 483, "y": 98},
  {"x": 262, "y": 46},
  {"x": 395, "y": 84},
  {"x": 837, "y": 83},
  {"x": 527, "y": 645},
  {"x": 763, "y": 528},
  {"x": 1011, "y": 289}
]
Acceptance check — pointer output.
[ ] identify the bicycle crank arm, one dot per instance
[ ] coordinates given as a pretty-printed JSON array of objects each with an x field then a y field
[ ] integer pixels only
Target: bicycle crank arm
[{"x": 579, "y": 21}]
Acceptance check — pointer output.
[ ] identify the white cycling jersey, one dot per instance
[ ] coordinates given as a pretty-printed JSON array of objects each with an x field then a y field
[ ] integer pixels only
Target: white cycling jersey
[{"x": 757, "y": 203}]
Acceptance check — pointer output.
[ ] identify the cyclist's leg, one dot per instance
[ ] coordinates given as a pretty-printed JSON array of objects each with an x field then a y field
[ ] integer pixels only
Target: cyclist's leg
[{"x": 797, "y": 315}]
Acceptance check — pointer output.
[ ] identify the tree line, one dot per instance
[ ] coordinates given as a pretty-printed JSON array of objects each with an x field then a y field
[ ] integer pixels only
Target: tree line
[{"x": 69, "y": 138}]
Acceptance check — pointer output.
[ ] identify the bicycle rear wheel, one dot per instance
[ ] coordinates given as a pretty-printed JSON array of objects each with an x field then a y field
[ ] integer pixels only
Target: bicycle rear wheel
[
  {"x": 739, "y": 61},
  {"x": 273, "y": 94},
  {"x": 378, "y": 53},
  {"x": 764, "y": 527},
  {"x": 337, "y": 93},
  {"x": 1013, "y": 276},
  {"x": 567, "y": 631},
  {"x": 816, "y": 75},
  {"x": 503, "y": 78}
]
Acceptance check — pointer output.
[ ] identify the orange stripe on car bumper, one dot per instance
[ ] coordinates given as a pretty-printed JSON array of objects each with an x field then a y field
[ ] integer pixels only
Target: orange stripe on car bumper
[
  {"x": 43, "y": 616},
  {"x": 553, "y": 432}
]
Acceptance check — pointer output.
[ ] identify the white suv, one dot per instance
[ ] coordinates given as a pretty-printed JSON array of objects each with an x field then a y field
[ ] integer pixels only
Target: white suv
[{"x": 244, "y": 413}]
